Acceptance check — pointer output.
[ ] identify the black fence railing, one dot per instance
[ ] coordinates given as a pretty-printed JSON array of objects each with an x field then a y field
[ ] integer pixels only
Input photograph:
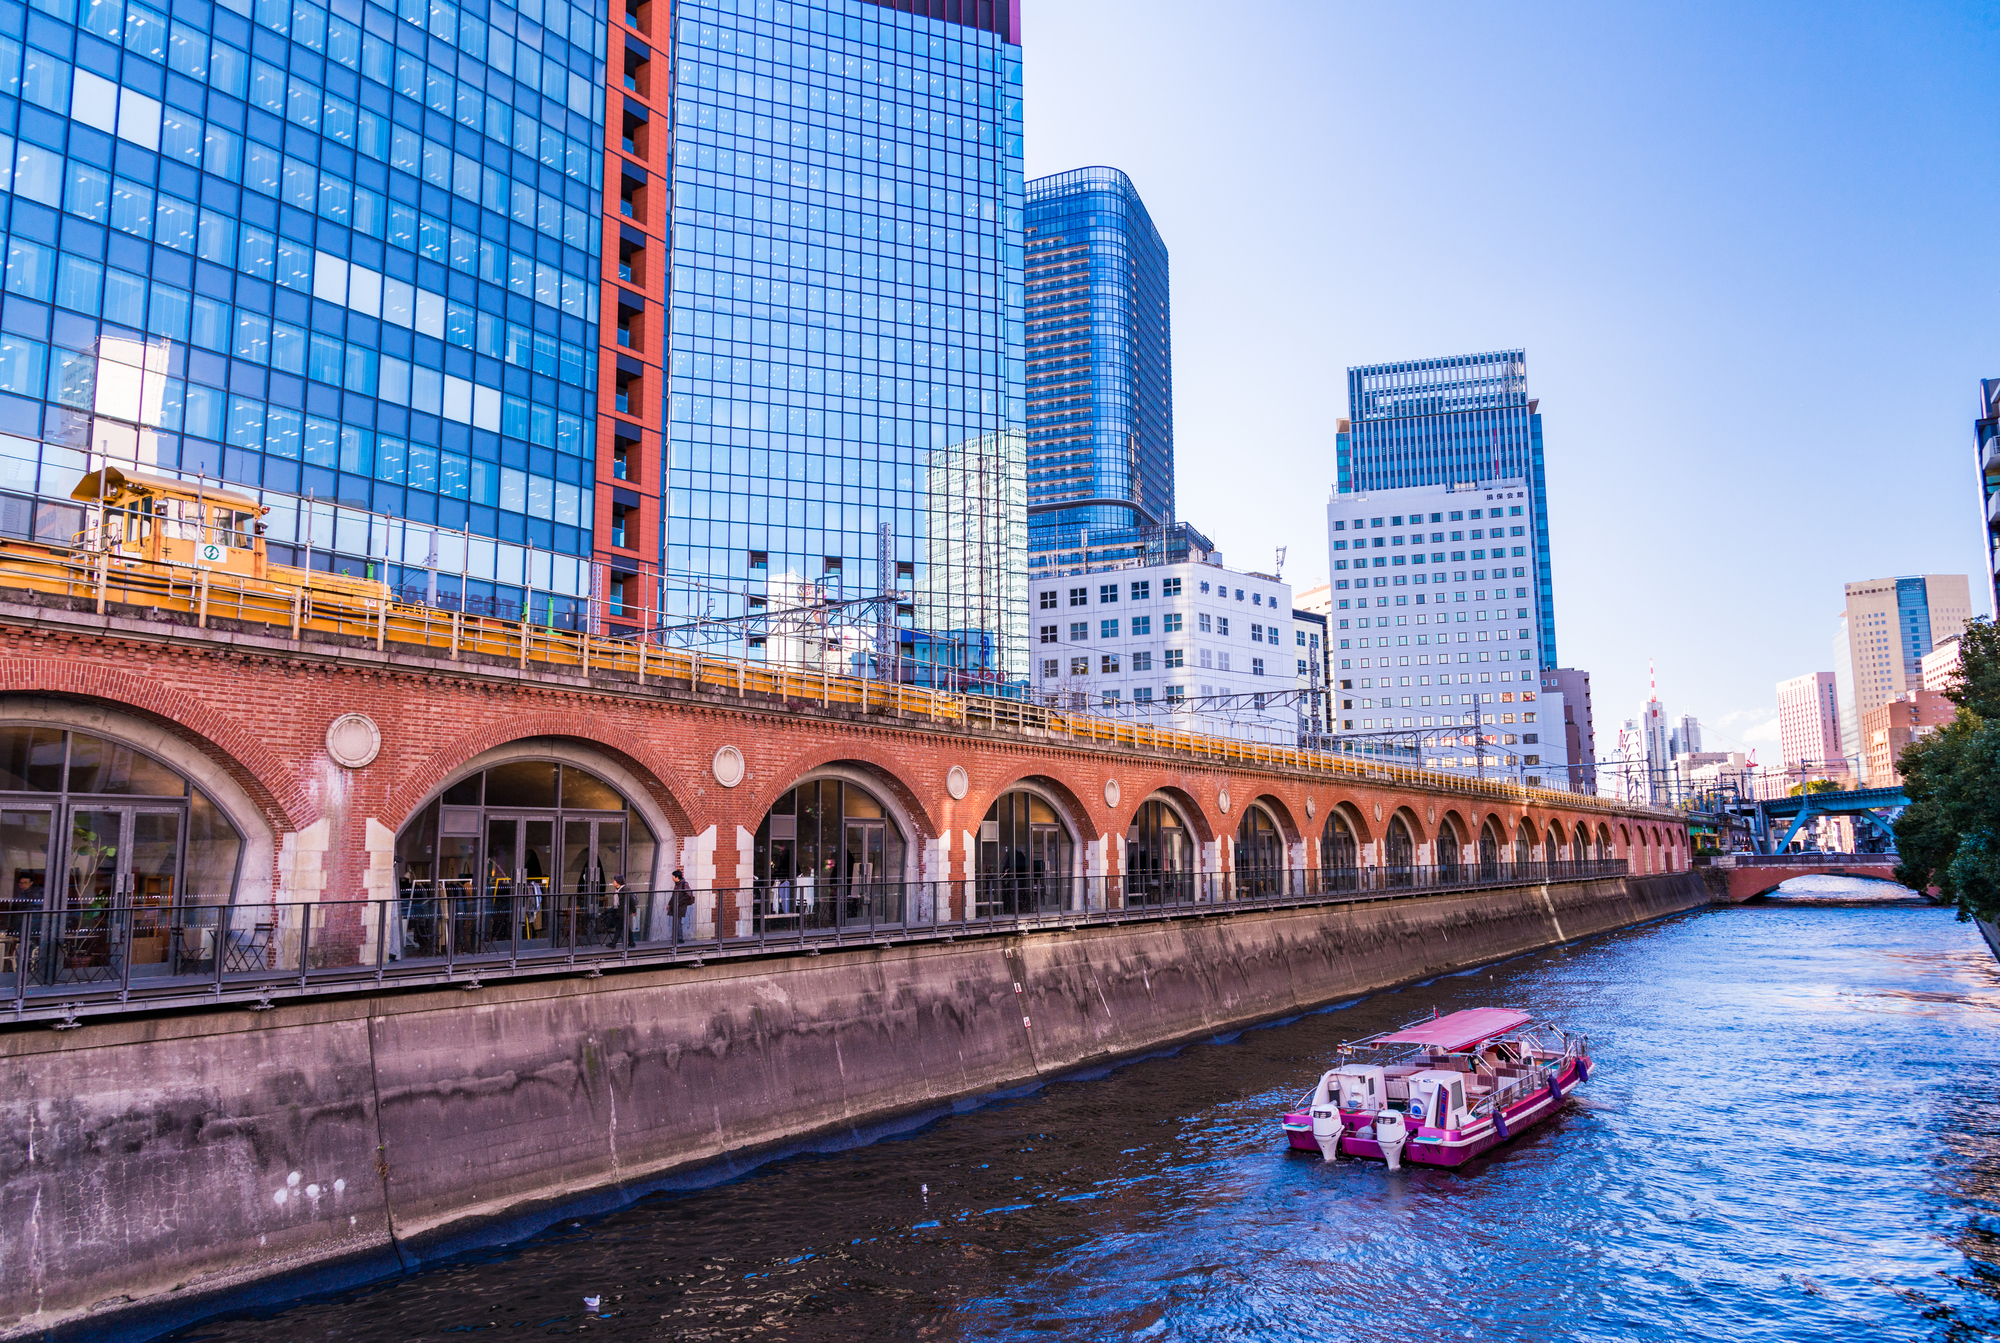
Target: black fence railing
[{"x": 66, "y": 962}]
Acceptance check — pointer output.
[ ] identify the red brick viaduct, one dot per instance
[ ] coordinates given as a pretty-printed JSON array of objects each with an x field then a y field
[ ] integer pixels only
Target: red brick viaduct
[{"x": 246, "y": 714}]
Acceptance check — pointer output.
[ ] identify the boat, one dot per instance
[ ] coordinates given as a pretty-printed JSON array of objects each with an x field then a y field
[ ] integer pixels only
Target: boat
[{"x": 1441, "y": 1090}]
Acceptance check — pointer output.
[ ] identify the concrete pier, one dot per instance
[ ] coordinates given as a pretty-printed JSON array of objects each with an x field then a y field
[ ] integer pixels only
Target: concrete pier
[{"x": 154, "y": 1163}]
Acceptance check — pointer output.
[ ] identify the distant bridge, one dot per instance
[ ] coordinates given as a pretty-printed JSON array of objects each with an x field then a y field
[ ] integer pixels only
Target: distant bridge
[
  {"x": 1883, "y": 803},
  {"x": 1738, "y": 877}
]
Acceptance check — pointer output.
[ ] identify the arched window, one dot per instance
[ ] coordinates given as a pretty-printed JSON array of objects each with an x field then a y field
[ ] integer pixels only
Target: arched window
[
  {"x": 1450, "y": 859},
  {"x": 1260, "y": 854},
  {"x": 118, "y": 841},
  {"x": 1603, "y": 843},
  {"x": 529, "y": 853},
  {"x": 1489, "y": 852},
  {"x": 1339, "y": 855},
  {"x": 1524, "y": 845},
  {"x": 1402, "y": 853},
  {"x": 1553, "y": 852},
  {"x": 1159, "y": 856},
  {"x": 1025, "y": 857},
  {"x": 829, "y": 854},
  {"x": 1581, "y": 852}
]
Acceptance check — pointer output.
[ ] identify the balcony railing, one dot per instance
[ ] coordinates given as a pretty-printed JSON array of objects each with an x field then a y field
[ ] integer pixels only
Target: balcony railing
[{"x": 61, "y": 964}]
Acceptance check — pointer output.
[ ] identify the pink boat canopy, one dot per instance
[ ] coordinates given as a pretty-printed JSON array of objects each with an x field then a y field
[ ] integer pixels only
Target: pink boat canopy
[{"x": 1460, "y": 1030}]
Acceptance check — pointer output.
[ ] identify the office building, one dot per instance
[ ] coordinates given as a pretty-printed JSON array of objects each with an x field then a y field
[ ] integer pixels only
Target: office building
[
  {"x": 1453, "y": 571},
  {"x": 1579, "y": 725},
  {"x": 1657, "y": 737},
  {"x": 344, "y": 254},
  {"x": 1889, "y": 728},
  {"x": 1884, "y": 631},
  {"x": 1174, "y": 638},
  {"x": 1940, "y": 666},
  {"x": 1623, "y": 773},
  {"x": 385, "y": 260},
  {"x": 845, "y": 344},
  {"x": 1685, "y": 737},
  {"x": 1986, "y": 463},
  {"x": 1809, "y": 740},
  {"x": 1309, "y": 643},
  {"x": 1100, "y": 384},
  {"x": 1460, "y": 424}
]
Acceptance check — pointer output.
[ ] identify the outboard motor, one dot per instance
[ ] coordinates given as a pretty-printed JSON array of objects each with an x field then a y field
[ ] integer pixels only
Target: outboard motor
[
  {"x": 1391, "y": 1134},
  {"x": 1327, "y": 1129}
]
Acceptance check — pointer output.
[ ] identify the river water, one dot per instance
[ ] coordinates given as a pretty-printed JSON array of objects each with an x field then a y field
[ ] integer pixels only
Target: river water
[{"x": 1792, "y": 1133}]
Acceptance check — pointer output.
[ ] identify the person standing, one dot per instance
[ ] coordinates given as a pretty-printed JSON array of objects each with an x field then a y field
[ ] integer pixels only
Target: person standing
[{"x": 683, "y": 908}]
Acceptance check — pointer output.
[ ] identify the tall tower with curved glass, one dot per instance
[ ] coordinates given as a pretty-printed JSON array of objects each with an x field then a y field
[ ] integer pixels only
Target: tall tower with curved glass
[{"x": 1100, "y": 388}]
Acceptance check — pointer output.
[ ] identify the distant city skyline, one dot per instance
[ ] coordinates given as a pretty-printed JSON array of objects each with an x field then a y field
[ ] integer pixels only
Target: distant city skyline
[{"x": 1685, "y": 272}]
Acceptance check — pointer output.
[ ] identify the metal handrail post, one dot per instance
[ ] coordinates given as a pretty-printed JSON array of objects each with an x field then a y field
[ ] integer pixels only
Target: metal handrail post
[{"x": 305, "y": 941}]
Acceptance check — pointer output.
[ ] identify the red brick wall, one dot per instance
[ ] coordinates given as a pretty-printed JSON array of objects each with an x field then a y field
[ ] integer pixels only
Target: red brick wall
[{"x": 261, "y": 709}]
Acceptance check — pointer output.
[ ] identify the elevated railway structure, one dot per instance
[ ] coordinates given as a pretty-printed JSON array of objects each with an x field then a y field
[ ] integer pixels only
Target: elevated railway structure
[{"x": 244, "y": 782}]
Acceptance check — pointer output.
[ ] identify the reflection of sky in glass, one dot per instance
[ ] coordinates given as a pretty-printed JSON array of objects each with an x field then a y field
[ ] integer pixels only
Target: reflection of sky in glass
[{"x": 847, "y": 319}]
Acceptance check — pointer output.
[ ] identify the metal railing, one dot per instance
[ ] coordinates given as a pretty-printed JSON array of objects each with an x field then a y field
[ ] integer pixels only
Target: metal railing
[
  {"x": 61, "y": 964},
  {"x": 204, "y": 596},
  {"x": 1812, "y": 859}
]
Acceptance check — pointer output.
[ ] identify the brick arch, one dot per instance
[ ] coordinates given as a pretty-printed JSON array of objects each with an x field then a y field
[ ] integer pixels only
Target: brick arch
[
  {"x": 663, "y": 781},
  {"x": 1288, "y": 826},
  {"x": 286, "y": 800},
  {"x": 1468, "y": 833},
  {"x": 880, "y": 764},
  {"x": 1184, "y": 802},
  {"x": 1360, "y": 819},
  {"x": 1075, "y": 814},
  {"x": 1413, "y": 817}
]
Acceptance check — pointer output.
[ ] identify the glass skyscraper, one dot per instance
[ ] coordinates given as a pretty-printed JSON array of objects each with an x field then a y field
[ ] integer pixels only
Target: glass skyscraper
[
  {"x": 343, "y": 252},
  {"x": 1100, "y": 366},
  {"x": 1463, "y": 422},
  {"x": 845, "y": 348}
]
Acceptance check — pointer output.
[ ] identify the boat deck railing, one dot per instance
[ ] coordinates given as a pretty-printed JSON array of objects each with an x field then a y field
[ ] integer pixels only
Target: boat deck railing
[
  {"x": 65, "y": 964},
  {"x": 204, "y": 596}
]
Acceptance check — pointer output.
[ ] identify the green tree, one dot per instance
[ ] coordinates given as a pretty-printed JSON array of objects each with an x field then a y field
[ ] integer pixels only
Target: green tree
[
  {"x": 1949, "y": 836},
  {"x": 1815, "y": 786}
]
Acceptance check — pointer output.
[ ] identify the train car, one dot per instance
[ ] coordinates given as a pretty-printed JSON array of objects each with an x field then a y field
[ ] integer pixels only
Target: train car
[{"x": 158, "y": 520}]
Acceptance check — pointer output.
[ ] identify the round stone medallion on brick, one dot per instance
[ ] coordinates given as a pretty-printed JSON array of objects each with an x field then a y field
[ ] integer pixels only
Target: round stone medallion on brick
[
  {"x": 1111, "y": 792},
  {"x": 728, "y": 766},
  {"x": 353, "y": 740},
  {"x": 1311, "y": 808},
  {"x": 957, "y": 782},
  {"x": 1378, "y": 811},
  {"x": 1222, "y": 801}
]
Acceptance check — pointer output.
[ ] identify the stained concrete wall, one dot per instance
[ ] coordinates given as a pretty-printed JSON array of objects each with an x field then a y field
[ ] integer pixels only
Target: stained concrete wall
[{"x": 148, "y": 1164}]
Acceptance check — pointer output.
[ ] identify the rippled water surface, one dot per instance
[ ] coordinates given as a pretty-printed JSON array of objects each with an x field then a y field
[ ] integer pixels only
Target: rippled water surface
[{"x": 1792, "y": 1134}]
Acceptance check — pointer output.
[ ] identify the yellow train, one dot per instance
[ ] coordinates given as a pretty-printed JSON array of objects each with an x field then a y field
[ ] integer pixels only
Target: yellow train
[{"x": 162, "y": 521}]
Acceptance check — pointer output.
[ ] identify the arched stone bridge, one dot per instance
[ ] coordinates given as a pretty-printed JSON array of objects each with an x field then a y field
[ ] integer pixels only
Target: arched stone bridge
[{"x": 244, "y": 712}]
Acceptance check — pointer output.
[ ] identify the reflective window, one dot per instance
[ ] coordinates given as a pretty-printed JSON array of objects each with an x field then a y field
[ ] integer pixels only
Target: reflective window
[
  {"x": 1025, "y": 855},
  {"x": 109, "y": 835},
  {"x": 1260, "y": 853},
  {"x": 532, "y": 850},
  {"x": 1159, "y": 855}
]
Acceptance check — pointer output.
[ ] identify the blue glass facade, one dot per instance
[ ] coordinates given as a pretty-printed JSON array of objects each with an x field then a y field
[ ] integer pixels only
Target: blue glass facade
[
  {"x": 845, "y": 357},
  {"x": 349, "y": 252},
  {"x": 1100, "y": 364},
  {"x": 1456, "y": 422}
]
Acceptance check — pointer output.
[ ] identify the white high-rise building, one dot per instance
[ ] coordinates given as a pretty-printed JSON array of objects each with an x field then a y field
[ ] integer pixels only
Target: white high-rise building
[
  {"x": 1173, "y": 637},
  {"x": 1436, "y": 627}
]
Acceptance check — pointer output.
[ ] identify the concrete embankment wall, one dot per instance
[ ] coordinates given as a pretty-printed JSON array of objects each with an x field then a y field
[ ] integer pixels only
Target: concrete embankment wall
[{"x": 146, "y": 1164}]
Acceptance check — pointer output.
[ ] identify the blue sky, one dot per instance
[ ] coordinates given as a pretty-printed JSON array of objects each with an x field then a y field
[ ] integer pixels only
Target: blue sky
[{"x": 1748, "y": 248}]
